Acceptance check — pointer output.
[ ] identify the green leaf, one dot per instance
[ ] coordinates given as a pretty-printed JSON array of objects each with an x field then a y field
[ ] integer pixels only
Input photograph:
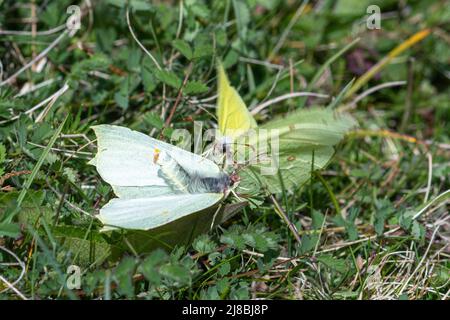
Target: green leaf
[
  {"x": 383, "y": 210},
  {"x": 339, "y": 265},
  {"x": 242, "y": 14},
  {"x": 203, "y": 244},
  {"x": 148, "y": 79},
  {"x": 317, "y": 219},
  {"x": 123, "y": 276},
  {"x": 2, "y": 153},
  {"x": 308, "y": 243},
  {"x": 202, "y": 50},
  {"x": 81, "y": 69},
  {"x": 194, "y": 87},
  {"x": 11, "y": 230},
  {"x": 121, "y": 100},
  {"x": 178, "y": 273},
  {"x": 233, "y": 240},
  {"x": 71, "y": 174},
  {"x": 224, "y": 269},
  {"x": 352, "y": 7},
  {"x": 121, "y": 96},
  {"x": 348, "y": 224},
  {"x": 154, "y": 120},
  {"x": 150, "y": 266},
  {"x": 418, "y": 230},
  {"x": 86, "y": 249},
  {"x": 136, "y": 5},
  {"x": 169, "y": 78},
  {"x": 380, "y": 218},
  {"x": 184, "y": 48},
  {"x": 134, "y": 59}
]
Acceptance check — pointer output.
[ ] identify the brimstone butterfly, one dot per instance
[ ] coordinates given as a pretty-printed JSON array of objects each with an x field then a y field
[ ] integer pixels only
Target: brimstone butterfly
[
  {"x": 304, "y": 139},
  {"x": 156, "y": 182}
]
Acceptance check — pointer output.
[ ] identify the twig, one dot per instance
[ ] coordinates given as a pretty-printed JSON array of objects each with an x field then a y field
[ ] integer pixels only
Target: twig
[
  {"x": 421, "y": 261},
  {"x": 138, "y": 42},
  {"x": 28, "y": 33},
  {"x": 68, "y": 202},
  {"x": 286, "y": 32},
  {"x": 10, "y": 286},
  {"x": 37, "y": 58},
  {"x": 12, "y": 174},
  {"x": 27, "y": 88},
  {"x": 417, "y": 37},
  {"x": 368, "y": 92},
  {"x": 50, "y": 99},
  {"x": 177, "y": 101},
  {"x": 430, "y": 175},
  {"x": 261, "y": 63},
  {"x": 260, "y": 107},
  {"x": 20, "y": 263}
]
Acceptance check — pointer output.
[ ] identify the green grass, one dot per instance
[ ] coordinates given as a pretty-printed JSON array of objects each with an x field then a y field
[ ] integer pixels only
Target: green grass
[{"x": 373, "y": 225}]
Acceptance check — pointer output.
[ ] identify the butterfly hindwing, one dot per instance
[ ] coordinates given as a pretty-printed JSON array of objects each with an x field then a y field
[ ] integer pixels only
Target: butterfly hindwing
[{"x": 150, "y": 213}]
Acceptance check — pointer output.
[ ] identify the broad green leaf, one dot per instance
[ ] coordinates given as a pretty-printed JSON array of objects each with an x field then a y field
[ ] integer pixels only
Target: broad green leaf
[
  {"x": 169, "y": 78},
  {"x": 151, "y": 265},
  {"x": 337, "y": 264},
  {"x": 203, "y": 244},
  {"x": 194, "y": 87},
  {"x": 11, "y": 230}
]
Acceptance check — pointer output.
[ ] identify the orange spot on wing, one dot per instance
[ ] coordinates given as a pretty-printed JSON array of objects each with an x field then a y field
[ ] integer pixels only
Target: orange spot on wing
[{"x": 156, "y": 154}]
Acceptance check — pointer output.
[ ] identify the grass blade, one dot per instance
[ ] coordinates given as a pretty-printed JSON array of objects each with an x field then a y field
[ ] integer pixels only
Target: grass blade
[
  {"x": 35, "y": 170},
  {"x": 417, "y": 37}
]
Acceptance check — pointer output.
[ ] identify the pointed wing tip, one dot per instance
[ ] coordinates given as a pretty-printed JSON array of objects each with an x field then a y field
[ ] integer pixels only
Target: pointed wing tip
[{"x": 93, "y": 161}]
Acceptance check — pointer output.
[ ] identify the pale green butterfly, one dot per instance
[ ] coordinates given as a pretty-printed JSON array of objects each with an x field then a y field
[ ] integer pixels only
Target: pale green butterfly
[
  {"x": 156, "y": 182},
  {"x": 300, "y": 134}
]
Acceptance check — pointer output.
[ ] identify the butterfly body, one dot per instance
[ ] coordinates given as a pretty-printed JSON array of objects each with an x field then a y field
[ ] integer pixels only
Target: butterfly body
[
  {"x": 182, "y": 182},
  {"x": 211, "y": 184}
]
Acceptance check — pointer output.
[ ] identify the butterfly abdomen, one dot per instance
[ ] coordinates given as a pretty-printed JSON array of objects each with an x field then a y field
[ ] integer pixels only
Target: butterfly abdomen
[
  {"x": 174, "y": 174},
  {"x": 210, "y": 184}
]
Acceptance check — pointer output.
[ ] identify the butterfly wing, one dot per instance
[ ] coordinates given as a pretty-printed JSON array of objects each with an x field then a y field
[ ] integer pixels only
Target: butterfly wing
[
  {"x": 150, "y": 213},
  {"x": 130, "y": 192},
  {"x": 305, "y": 140},
  {"x": 126, "y": 160},
  {"x": 311, "y": 127},
  {"x": 232, "y": 113}
]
